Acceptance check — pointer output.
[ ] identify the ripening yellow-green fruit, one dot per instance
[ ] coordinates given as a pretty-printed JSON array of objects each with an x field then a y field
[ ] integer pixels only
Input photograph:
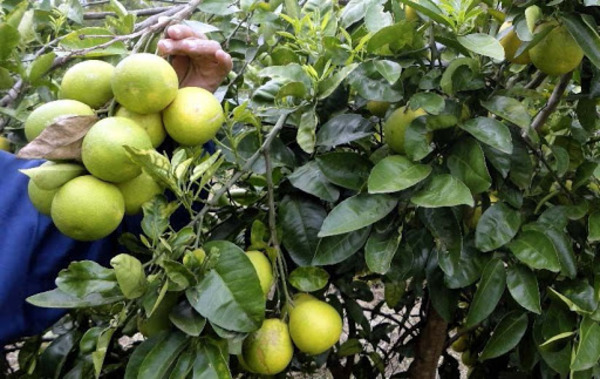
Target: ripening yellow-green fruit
[{"x": 315, "y": 326}]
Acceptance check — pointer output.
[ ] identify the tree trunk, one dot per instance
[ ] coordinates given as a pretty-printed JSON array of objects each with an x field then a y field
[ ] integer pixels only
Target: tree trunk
[{"x": 429, "y": 347}]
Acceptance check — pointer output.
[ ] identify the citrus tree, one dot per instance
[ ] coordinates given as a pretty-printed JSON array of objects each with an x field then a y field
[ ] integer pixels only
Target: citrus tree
[{"x": 426, "y": 170}]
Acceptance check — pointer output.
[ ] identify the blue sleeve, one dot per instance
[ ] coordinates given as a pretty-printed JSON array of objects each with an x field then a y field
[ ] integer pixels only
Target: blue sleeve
[{"x": 32, "y": 252}]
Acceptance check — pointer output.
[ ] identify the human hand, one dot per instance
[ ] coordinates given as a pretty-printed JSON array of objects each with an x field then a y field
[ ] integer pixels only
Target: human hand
[{"x": 198, "y": 61}]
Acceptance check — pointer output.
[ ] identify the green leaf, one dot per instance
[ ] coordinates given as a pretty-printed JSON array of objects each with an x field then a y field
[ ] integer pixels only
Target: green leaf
[
  {"x": 54, "y": 357},
  {"x": 467, "y": 163},
  {"x": 443, "y": 191},
  {"x": 58, "y": 299},
  {"x": 461, "y": 74},
  {"x": 74, "y": 41},
  {"x": 509, "y": 109},
  {"x": 9, "y": 39},
  {"x": 210, "y": 362},
  {"x": 443, "y": 299},
  {"x": 417, "y": 139},
  {"x": 345, "y": 169},
  {"x": 156, "y": 165},
  {"x": 483, "y": 44},
  {"x": 343, "y": 129},
  {"x": 156, "y": 216},
  {"x": 381, "y": 248},
  {"x": 356, "y": 10},
  {"x": 51, "y": 175},
  {"x": 6, "y": 79},
  {"x": 491, "y": 132},
  {"x": 40, "y": 67},
  {"x": 329, "y": 85},
  {"x": 562, "y": 244},
  {"x": 389, "y": 70},
  {"x": 587, "y": 352},
  {"x": 130, "y": 275},
  {"x": 184, "y": 365},
  {"x": 140, "y": 353},
  {"x": 594, "y": 227},
  {"x": 429, "y": 9},
  {"x": 462, "y": 270},
  {"x": 445, "y": 229},
  {"x": 306, "y": 137},
  {"x": 370, "y": 84},
  {"x": 186, "y": 319},
  {"x": 308, "y": 278},
  {"x": 488, "y": 294},
  {"x": 301, "y": 220},
  {"x": 389, "y": 39},
  {"x": 507, "y": 335},
  {"x": 158, "y": 361},
  {"x": 535, "y": 250},
  {"x": 310, "y": 179},
  {"x": 355, "y": 213},
  {"x": 523, "y": 287},
  {"x": 229, "y": 295},
  {"x": 579, "y": 295},
  {"x": 396, "y": 173},
  {"x": 431, "y": 102},
  {"x": 585, "y": 35},
  {"x": 497, "y": 226},
  {"x": 85, "y": 278},
  {"x": 335, "y": 249}
]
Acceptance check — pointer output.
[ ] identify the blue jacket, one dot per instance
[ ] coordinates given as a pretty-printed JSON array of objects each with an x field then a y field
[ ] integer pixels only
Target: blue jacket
[{"x": 33, "y": 251}]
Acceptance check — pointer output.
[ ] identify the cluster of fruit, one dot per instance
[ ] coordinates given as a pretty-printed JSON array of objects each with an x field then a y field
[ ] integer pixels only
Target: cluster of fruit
[
  {"x": 88, "y": 202},
  {"x": 314, "y": 326}
]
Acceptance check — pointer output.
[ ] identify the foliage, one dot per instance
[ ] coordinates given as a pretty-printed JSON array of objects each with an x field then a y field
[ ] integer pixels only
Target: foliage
[{"x": 492, "y": 225}]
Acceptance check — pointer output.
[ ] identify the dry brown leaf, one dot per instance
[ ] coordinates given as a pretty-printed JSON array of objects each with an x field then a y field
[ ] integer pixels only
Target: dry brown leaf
[{"x": 60, "y": 140}]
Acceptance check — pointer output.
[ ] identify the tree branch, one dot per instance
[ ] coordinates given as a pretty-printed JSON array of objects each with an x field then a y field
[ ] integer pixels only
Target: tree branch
[
  {"x": 553, "y": 101},
  {"x": 429, "y": 348},
  {"x": 137, "y": 12}
]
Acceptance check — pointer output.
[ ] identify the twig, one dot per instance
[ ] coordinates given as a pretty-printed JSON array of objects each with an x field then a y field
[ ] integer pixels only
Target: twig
[
  {"x": 214, "y": 200},
  {"x": 137, "y": 12},
  {"x": 536, "y": 81},
  {"x": 553, "y": 101}
]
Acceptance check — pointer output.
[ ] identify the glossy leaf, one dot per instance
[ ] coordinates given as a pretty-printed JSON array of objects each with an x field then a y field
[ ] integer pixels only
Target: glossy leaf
[
  {"x": 158, "y": 361},
  {"x": 210, "y": 362},
  {"x": 482, "y": 44},
  {"x": 371, "y": 85},
  {"x": 523, "y": 287},
  {"x": 73, "y": 41},
  {"x": 443, "y": 191},
  {"x": 509, "y": 109},
  {"x": 594, "y": 227},
  {"x": 86, "y": 278},
  {"x": 310, "y": 179},
  {"x": 301, "y": 220},
  {"x": 58, "y": 299},
  {"x": 396, "y": 173},
  {"x": 587, "y": 352},
  {"x": 506, "y": 336},
  {"x": 491, "y": 132},
  {"x": 467, "y": 163},
  {"x": 343, "y": 129},
  {"x": 355, "y": 213},
  {"x": 535, "y": 250},
  {"x": 432, "y": 103},
  {"x": 585, "y": 35},
  {"x": 130, "y": 275},
  {"x": 345, "y": 169},
  {"x": 380, "y": 249},
  {"x": 186, "y": 319},
  {"x": 139, "y": 354},
  {"x": 308, "y": 279},
  {"x": 335, "y": 249},
  {"x": 488, "y": 294},
  {"x": 9, "y": 39},
  {"x": 229, "y": 295},
  {"x": 497, "y": 226},
  {"x": 462, "y": 270}
]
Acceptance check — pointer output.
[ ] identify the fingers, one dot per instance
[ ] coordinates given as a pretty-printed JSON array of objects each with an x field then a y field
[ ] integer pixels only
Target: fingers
[
  {"x": 189, "y": 47},
  {"x": 178, "y": 32},
  {"x": 224, "y": 60}
]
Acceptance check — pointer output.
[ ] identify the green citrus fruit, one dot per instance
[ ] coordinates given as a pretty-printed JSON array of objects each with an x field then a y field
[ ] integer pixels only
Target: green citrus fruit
[
  {"x": 468, "y": 358},
  {"x": 411, "y": 14},
  {"x": 394, "y": 128},
  {"x": 511, "y": 43},
  {"x": 88, "y": 82},
  {"x": 87, "y": 209},
  {"x": 315, "y": 326},
  {"x": 263, "y": 268},
  {"x": 268, "y": 350},
  {"x": 378, "y": 108},
  {"x": 137, "y": 191},
  {"x": 557, "y": 53},
  {"x": 151, "y": 122},
  {"x": 144, "y": 83},
  {"x": 48, "y": 113},
  {"x": 4, "y": 144},
  {"x": 159, "y": 320},
  {"x": 194, "y": 117},
  {"x": 102, "y": 150},
  {"x": 41, "y": 198}
]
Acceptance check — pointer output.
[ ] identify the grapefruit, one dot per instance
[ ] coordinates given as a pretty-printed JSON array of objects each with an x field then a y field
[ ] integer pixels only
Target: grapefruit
[
  {"x": 87, "y": 209},
  {"x": 102, "y": 150},
  {"x": 263, "y": 268},
  {"x": 88, "y": 82},
  {"x": 315, "y": 326},
  {"x": 138, "y": 191},
  {"x": 151, "y": 122},
  {"x": 557, "y": 53},
  {"x": 48, "y": 113},
  {"x": 394, "y": 128},
  {"x": 144, "y": 83},
  {"x": 41, "y": 198},
  {"x": 511, "y": 43},
  {"x": 194, "y": 117},
  {"x": 268, "y": 350}
]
